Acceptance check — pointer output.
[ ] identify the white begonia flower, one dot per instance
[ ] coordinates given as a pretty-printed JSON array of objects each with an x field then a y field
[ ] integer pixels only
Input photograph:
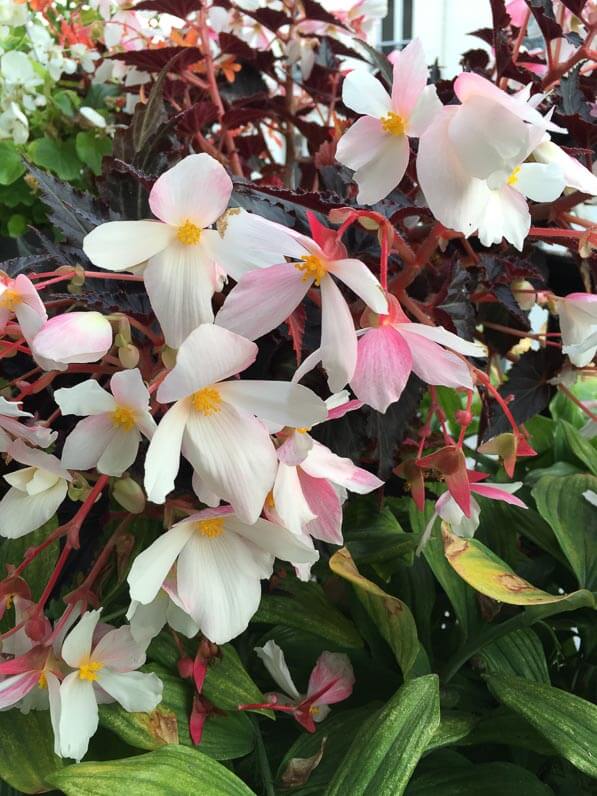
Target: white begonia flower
[
  {"x": 35, "y": 493},
  {"x": 92, "y": 116},
  {"x": 14, "y": 124},
  {"x": 217, "y": 422},
  {"x": 12, "y": 13},
  {"x": 16, "y": 69},
  {"x": 182, "y": 274},
  {"x": 19, "y": 297},
  {"x": 146, "y": 621},
  {"x": 578, "y": 325},
  {"x": 376, "y": 146},
  {"x": 11, "y": 428},
  {"x": 104, "y": 672},
  {"x": 220, "y": 563},
  {"x": 84, "y": 56},
  {"x": 109, "y": 436}
]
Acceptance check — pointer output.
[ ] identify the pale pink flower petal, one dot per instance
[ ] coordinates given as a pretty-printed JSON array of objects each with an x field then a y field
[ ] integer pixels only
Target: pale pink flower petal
[
  {"x": 361, "y": 281},
  {"x": 501, "y": 492},
  {"x": 196, "y": 189},
  {"x": 163, "y": 455},
  {"x": 426, "y": 109},
  {"x": 119, "y": 651},
  {"x": 435, "y": 365},
  {"x": 383, "y": 173},
  {"x": 409, "y": 78},
  {"x": 120, "y": 245},
  {"x": 294, "y": 448},
  {"x": 290, "y": 505},
  {"x": 30, "y": 311},
  {"x": 324, "y": 501},
  {"x": 262, "y": 300},
  {"x": 384, "y": 363},
  {"x": 365, "y": 95},
  {"x": 322, "y": 463},
  {"x": 274, "y": 539},
  {"x": 71, "y": 338},
  {"x": 338, "y": 336},
  {"x": 128, "y": 389},
  {"x": 280, "y": 402},
  {"x": 208, "y": 355},
  {"x": 360, "y": 143},
  {"x": 14, "y": 688},
  {"x": 442, "y": 336},
  {"x": 332, "y": 669}
]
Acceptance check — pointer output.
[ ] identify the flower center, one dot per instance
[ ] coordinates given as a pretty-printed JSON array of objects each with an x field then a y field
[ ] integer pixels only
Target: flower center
[
  {"x": 207, "y": 401},
  {"x": 10, "y": 300},
  {"x": 312, "y": 268},
  {"x": 124, "y": 418},
  {"x": 393, "y": 123},
  {"x": 270, "y": 503},
  {"x": 210, "y": 528},
  {"x": 89, "y": 670},
  {"x": 188, "y": 233},
  {"x": 513, "y": 178},
  {"x": 314, "y": 710},
  {"x": 42, "y": 680}
]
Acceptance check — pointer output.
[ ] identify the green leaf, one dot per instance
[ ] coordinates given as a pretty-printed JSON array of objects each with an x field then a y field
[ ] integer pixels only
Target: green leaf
[
  {"x": 308, "y": 609},
  {"x": 91, "y": 149},
  {"x": 59, "y": 157},
  {"x": 335, "y": 734},
  {"x": 390, "y": 615},
  {"x": 576, "y": 447},
  {"x": 27, "y": 750},
  {"x": 454, "y": 727},
  {"x": 386, "y": 750},
  {"x": 11, "y": 164},
  {"x": 489, "y": 575},
  {"x": 519, "y": 653},
  {"x": 568, "y": 722},
  {"x": 503, "y": 726},
  {"x": 489, "y": 779},
  {"x": 224, "y": 737},
  {"x": 528, "y": 523},
  {"x": 379, "y": 539},
  {"x": 12, "y": 551},
  {"x": 17, "y": 225},
  {"x": 561, "y": 503},
  {"x": 170, "y": 771}
]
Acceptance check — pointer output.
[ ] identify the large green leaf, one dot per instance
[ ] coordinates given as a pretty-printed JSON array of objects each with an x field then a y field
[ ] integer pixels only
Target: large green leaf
[
  {"x": 384, "y": 753},
  {"x": 224, "y": 737},
  {"x": 390, "y": 615},
  {"x": 91, "y": 149},
  {"x": 11, "y": 164},
  {"x": 170, "y": 771},
  {"x": 578, "y": 445},
  {"x": 27, "y": 750},
  {"x": 379, "y": 539},
  {"x": 59, "y": 157},
  {"x": 568, "y": 722},
  {"x": 489, "y": 779},
  {"x": 561, "y": 503},
  {"x": 12, "y": 551},
  {"x": 519, "y": 653}
]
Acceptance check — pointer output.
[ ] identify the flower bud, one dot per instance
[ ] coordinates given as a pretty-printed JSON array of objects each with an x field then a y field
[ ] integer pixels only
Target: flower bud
[
  {"x": 127, "y": 493},
  {"x": 36, "y": 628},
  {"x": 128, "y": 356}
]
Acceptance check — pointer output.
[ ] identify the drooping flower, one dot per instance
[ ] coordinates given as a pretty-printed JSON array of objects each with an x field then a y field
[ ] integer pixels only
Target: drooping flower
[
  {"x": 35, "y": 493},
  {"x": 508, "y": 447},
  {"x": 391, "y": 347},
  {"x": 465, "y": 525},
  {"x": 103, "y": 672},
  {"x": 265, "y": 297},
  {"x": 331, "y": 681},
  {"x": 19, "y": 297},
  {"x": 220, "y": 562},
  {"x": 74, "y": 337},
  {"x": 215, "y": 422},
  {"x": 11, "y": 427},
  {"x": 108, "y": 438},
  {"x": 377, "y": 144},
  {"x": 578, "y": 325},
  {"x": 182, "y": 273},
  {"x": 449, "y": 463}
]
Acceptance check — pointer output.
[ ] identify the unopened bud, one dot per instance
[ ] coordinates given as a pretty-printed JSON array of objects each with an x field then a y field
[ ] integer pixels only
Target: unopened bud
[
  {"x": 128, "y": 356},
  {"x": 464, "y": 418},
  {"x": 79, "y": 488},
  {"x": 129, "y": 494},
  {"x": 36, "y": 628},
  {"x": 168, "y": 357}
]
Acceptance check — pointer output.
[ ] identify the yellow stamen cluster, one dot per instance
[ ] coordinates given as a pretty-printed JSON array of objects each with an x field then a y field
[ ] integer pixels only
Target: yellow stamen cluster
[
  {"x": 42, "y": 680},
  {"x": 270, "y": 503},
  {"x": 303, "y": 429},
  {"x": 210, "y": 528},
  {"x": 124, "y": 418},
  {"x": 89, "y": 670},
  {"x": 312, "y": 268},
  {"x": 10, "y": 300},
  {"x": 393, "y": 124},
  {"x": 513, "y": 178},
  {"x": 208, "y": 401},
  {"x": 188, "y": 233}
]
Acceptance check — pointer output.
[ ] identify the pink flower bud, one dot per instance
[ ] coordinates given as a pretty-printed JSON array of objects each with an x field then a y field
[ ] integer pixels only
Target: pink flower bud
[{"x": 70, "y": 338}]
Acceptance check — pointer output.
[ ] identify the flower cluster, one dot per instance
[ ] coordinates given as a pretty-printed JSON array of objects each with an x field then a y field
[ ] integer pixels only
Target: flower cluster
[{"x": 160, "y": 408}]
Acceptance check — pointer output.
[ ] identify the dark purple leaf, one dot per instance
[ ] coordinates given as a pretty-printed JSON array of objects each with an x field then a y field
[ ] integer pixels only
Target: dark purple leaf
[
  {"x": 156, "y": 60},
  {"x": 178, "y": 8}
]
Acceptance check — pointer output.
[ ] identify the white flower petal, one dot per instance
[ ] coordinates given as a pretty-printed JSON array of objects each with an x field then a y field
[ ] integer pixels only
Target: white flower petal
[
  {"x": 274, "y": 539},
  {"x": 338, "y": 336},
  {"x": 79, "y": 717},
  {"x": 77, "y": 645},
  {"x": 21, "y": 513},
  {"x": 120, "y": 453},
  {"x": 162, "y": 461},
  {"x": 273, "y": 660},
  {"x": 289, "y": 502},
  {"x": 361, "y": 142},
  {"x": 540, "y": 182},
  {"x": 151, "y": 567},
  {"x": 426, "y": 109},
  {"x": 361, "y": 281},
  {"x": 378, "y": 178},
  {"x": 120, "y": 245},
  {"x": 365, "y": 95},
  {"x": 279, "y": 402},
  {"x": 137, "y": 692},
  {"x": 442, "y": 336},
  {"x": 128, "y": 389},
  {"x": 86, "y": 398},
  {"x": 87, "y": 442}
]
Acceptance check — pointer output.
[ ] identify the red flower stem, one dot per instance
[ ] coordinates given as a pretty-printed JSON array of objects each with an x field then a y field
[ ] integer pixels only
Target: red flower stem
[
  {"x": 557, "y": 232},
  {"x": 156, "y": 339},
  {"x": 486, "y": 381},
  {"x": 74, "y": 526},
  {"x": 383, "y": 259},
  {"x": 463, "y": 428}
]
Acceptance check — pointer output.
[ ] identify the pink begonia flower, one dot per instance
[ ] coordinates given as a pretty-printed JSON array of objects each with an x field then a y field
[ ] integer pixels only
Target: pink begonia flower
[
  {"x": 377, "y": 146},
  {"x": 393, "y": 347},
  {"x": 578, "y": 325},
  {"x": 10, "y": 427},
  {"x": 35, "y": 493},
  {"x": 215, "y": 422},
  {"x": 265, "y": 297},
  {"x": 331, "y": 681},
  {"x": 74, "y": 337},
  {"x": 19, "y": 297},
  {"x": 471, "y": 162},
  {"x": 461, "y": 524},
  {"x": 360, "y": 15},
  {"x": 108, "y": 438},
  {"x": 146, "y": 621},
  {"x": 518, "y": 11},
  {"x": 103, "y": 672},
  {"x": 220, "y": 562},
  {"x": 182, "y": 272}
]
